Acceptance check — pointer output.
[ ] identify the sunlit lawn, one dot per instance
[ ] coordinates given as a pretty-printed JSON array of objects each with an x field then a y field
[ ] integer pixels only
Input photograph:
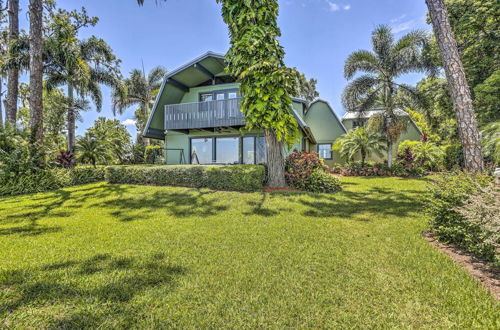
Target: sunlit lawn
[{"x": 119, "y": 256}]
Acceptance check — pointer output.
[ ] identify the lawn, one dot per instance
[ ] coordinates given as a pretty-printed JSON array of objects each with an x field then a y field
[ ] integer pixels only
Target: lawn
[{"x": 119, "y": 256}]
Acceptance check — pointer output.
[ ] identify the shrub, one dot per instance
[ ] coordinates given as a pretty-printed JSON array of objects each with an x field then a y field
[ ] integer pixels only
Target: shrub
[
  {"x": 153, "y": 155},
  {"x": 423, "y": 153},
  {"x": 65, "y": 159},
  {"x": 299, "y": 167},
  {"x": 230, "y": 177},
  {"x": 482, "y": 211},
  {"x": 449, "y": 193},
  {"x": 49, "y": 179},
  {"x": 322, "y": 182}
]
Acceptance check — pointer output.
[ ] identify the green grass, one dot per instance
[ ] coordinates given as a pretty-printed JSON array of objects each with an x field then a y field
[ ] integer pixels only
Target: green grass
[{"x": 148, "y": 257}]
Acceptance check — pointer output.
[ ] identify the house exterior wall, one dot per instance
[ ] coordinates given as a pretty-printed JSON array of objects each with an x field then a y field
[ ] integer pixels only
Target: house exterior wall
[
  {"x": 194, "y": 92},
  {"x": 325, "y": 127}
]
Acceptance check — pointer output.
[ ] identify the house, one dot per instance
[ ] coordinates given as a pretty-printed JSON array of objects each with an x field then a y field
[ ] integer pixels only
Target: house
[{"x": 197, "y": 114}]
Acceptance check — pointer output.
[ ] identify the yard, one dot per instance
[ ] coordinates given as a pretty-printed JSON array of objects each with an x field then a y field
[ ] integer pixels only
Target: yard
[{"x": 149, "y": 257}]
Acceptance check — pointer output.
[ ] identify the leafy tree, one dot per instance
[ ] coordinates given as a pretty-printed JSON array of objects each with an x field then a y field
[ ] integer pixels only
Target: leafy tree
[
  {"x": 113, "y": 137},
  {"x": 141, "y": 91},
  {"x": 306, "y": 89},
  {"x": 360, "y": 141},
  {"x": 491, "y": 142},
  {"x": 256, "y": 59},
  {"x": 89, "y": 150},
  {"x": 487, "y": 102},
  {"x": 81, "y": 65},
  {"x": 461, "y": 96},
  {"x": 377, "y": 88}
]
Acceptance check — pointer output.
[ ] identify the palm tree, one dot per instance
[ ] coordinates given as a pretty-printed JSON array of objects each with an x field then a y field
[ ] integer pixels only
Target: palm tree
[
  {"x": 460, "y": 92},
  {"x": 141, "y": 91},
  {"x": 89, "y": 150},
  {"x": 377, "y": 88},
  {"x": 361, "y": 141},
  {"x": 82, "y": 67}
]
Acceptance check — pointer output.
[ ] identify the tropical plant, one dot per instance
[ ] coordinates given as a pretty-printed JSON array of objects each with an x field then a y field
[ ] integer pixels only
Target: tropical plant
[
  {"x": 377, "y": 88},
  {"x": 141, "y": 91},
  {"x": 460, "y": 92},
  {"x": 113, "y": 137},
  {"x": 428, "y": 154},
  {"x": 89, "y": 150},
  {"x": 360, "y": 141},
  {"x": 81, "y": 65},
  {"x": 65, "y": 159},
  {"x": 490, "y": 138}
]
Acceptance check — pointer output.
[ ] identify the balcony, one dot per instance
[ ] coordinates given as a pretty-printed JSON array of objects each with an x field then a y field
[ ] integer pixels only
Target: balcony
[{"x": 209, "y": 114}]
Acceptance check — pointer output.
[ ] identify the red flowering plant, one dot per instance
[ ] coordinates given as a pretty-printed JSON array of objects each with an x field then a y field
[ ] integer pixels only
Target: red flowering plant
[{"x": 299, "y": 167}]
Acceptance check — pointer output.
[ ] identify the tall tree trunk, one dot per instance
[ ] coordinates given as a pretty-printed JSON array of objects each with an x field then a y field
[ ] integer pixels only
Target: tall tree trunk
[
  {"x": 275, "y": 161},
  {"x": 363, "y": 157},
  {"x": 146, "y": 140},
  {"x": 460, "y": 92},
  {"x": 71, "y": 119},
  {"x": 1, "y": 100},
  {"x": 36, "y": 70},
  {"x": 13, "y": 73}
]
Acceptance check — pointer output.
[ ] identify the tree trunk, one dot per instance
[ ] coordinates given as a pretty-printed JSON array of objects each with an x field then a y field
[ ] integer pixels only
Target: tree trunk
[
  {"x": 36, "y": 69},
  {"x": 389, "y": 152},
  {"x": 13, "y": 73},
  {"x": 71, "y": 119},
  {"x": 460, "y": 92},
  {"x": 1, "y": 96},
  {"x": 363, "y": 157},
  {"x": 275, "y": 161}
]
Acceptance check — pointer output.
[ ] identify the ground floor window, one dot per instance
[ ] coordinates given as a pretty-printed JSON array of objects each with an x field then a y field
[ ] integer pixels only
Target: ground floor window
[
  {"x": 325, "y": 150},
  {"x": 228, "y": 150}
]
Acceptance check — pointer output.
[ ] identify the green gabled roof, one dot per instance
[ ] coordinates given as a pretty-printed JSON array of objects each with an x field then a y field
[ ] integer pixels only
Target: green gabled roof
[{"x": 188, "y": 75}]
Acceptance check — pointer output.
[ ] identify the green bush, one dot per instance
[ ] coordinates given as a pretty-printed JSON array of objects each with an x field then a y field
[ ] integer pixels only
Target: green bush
[
  {"x": 322, "y": 182},
  {"x": 49, "y": 179},
  {"x": 299, "y": 167},
  {"x": 449, "y": 192},
  {"x": 231, "y": 177}
]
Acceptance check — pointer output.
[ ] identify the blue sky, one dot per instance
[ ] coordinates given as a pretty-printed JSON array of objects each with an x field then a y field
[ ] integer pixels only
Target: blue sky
[{"x": 318, "y": 35}]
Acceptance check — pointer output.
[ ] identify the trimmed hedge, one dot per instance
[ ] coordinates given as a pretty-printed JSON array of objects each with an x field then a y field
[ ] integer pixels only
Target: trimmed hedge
[
  {"x": 50, "y": 179},
  {"x": 230, "y": 177}
]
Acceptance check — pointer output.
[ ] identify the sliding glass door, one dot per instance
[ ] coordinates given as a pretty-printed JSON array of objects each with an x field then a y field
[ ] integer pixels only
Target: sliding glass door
[{"x": 228, "y": 150}]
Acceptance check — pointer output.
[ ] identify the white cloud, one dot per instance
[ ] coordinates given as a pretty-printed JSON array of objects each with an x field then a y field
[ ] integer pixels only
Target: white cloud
[
  {"x": 336, "y": 7},
  {"x": 398, "y": 19},
  {"x": 333, "y": 6},
  {"x": 129, "y": 122}
]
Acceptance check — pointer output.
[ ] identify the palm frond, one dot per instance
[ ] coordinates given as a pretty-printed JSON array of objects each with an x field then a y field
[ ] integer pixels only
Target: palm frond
[
  {"x": 382, "y": 42},
  {"x": 358, "y": 90},
  {"x": 361, "y": 60}
]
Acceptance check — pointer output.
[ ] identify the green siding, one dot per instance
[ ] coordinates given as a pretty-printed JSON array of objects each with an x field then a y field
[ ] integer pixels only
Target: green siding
[
  {"x": 325, "y": 127},
  {"x": 193, "y": 94}
]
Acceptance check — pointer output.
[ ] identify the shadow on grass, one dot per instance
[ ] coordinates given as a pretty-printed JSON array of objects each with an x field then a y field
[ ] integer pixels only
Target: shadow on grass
[
  {"x": 182, "y": 204},
  {"x": 60, "y": 203},
  {"x": 96, "y": 290}
]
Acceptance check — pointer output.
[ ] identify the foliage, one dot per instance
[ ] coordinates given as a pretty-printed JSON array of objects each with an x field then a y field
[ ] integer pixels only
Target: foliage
[
  {"x": 65, "y": 159},
  {"x": 487, "y": 100},
  {"x": 140, "y": 91},
  {"x": 113, "y": 137},
  {"x": 482, "y": 210},
  {"x": 50, "y": 179},
  {"x": 306, "y": 89},
  {"x": 490, "y": 138},
  {"x": 450, "y": 196},
  {"x": 360, "y": 141},
  {"x": 425, "y": 154},
  {"x": 323, "y": 182},
  {"x": 89, "y": 150},
  {"x": 153, "y": 155},
  {"x": 299, "y": 167},
  {"x": 234, "y": 177},
  {"x": 256, "y": 59},
  {"x": 420, "y": 121}
]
